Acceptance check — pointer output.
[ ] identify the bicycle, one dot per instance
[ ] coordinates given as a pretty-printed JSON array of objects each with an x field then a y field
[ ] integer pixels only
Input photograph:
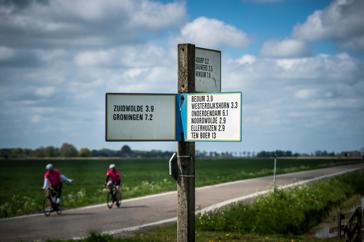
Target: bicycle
[
  {"x": 113, "y": 196},
  {"x": 50, "y": 202}
]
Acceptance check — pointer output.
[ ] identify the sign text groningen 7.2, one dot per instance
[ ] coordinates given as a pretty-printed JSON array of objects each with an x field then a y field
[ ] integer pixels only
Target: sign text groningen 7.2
[{"x": 140, "y": 117}]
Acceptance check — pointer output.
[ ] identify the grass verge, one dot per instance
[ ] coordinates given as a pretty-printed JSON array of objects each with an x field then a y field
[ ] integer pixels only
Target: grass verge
[{"x": 293, "y": 211}]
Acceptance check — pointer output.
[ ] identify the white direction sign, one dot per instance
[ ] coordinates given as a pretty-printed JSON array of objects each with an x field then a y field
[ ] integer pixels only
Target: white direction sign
[
  {"x": 140, "y": 117},
  {"x": 214, "y": 117},
  {"x": 207, "y": 70}
]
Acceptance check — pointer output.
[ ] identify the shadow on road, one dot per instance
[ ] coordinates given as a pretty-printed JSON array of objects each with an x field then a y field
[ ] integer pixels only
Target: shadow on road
[
  {"x": 138, "y": 206},
  {"x": 75, "y": 214}
]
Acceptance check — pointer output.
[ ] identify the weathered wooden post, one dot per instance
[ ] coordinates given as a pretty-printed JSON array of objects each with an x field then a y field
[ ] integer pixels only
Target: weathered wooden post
[
  {"x": 340, "y": 225},
  {"x": 186, "y": 152},
  {"x": 274, "y": 171}
]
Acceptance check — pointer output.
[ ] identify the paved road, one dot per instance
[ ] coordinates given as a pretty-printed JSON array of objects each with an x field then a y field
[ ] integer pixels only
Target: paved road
[{"x": 147, "y": 210}]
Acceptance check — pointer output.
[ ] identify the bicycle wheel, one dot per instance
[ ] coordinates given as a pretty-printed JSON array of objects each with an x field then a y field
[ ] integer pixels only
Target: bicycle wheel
[
  {"x": 109, "y": 200},
  {"x": 47, "y": 206},
  {"x": 118, "y": 198}
]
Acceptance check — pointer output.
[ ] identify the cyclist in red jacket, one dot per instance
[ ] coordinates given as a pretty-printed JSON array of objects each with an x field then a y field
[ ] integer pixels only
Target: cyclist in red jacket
[
  {"x": 113, "y": 177},
  {"x": 53, "y": 178}
]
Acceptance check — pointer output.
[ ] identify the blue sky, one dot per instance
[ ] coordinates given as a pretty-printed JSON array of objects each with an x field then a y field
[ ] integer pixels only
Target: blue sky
[
  {"x": 258, "y": 18},
  {"x": 299, "y": 64}
]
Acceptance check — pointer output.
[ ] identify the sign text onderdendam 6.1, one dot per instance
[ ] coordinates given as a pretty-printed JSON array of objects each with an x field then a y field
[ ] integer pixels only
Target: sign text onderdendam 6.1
[{"x": 213, "y": 117}]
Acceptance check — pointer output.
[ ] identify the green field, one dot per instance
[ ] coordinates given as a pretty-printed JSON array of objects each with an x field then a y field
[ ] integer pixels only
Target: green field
[{"x": 21, "y": 180}]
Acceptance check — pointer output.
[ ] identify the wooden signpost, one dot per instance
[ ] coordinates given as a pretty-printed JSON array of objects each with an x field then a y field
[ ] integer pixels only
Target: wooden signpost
[{"x": 199, "y": 112}]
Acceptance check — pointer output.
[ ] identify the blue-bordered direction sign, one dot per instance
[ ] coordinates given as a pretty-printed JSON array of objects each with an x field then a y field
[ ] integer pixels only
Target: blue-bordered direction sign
[
  {"x": 140, "y": 117},
  {"x": 191, "y": 117},
  {"x": 212, "y": 116}
]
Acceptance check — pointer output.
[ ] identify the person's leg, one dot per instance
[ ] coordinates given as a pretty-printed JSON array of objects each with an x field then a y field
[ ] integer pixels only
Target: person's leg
[
  {"x": 117, "y": 185},
  {"x": 58, "y": 190},
  {"x": 117, "y": 193}
]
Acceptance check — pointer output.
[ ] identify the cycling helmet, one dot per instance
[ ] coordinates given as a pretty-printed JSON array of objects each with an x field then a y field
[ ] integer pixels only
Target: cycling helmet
[
  {"x": 49, "y": 166},
  {"x": 111, "y": 166}
]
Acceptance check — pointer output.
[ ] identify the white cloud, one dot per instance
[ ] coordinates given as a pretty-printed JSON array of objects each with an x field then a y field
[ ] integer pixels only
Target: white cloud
[
  {"x": 134, "y": 73},
  {"x": 35, "y": 118},
  {"x": 145, "y": 55},
  {"x": 213, "y": 33},
  {"x": 93, "y": 58},
  {"x": 246, "y": 59},
  {"x": 285, "y": 48},
  {"x": 341, "y": 21},
  {"x": 6, "y": 53},
  {"x": 45, "y": 91},
  {"x": 83, "y": 23},
  {"x": 304, "y": 93},
  {"x": 51, "y": 55},
  {"x": 312, "y": 29},
  {"x": 355, "y": 43},
  {"x": 154, "y": 15},
  {"x": 130, "y": 56}
]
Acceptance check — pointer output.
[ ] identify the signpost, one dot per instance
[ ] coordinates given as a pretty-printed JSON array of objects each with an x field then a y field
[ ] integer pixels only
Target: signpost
[
  {"x": 140, "y": 117},
  {"x": 199, "y": 112},
  {"x": 207, "y": 70}
]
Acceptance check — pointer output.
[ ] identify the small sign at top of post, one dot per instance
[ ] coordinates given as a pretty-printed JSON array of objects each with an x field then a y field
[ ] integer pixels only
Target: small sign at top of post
[{"x": 207, "y": 70}]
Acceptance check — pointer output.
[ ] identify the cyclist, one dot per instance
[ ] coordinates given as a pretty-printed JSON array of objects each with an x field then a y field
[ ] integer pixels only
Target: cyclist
[
  {"x": 53, "y": 178},
  {"x": 113, "y": 177}
]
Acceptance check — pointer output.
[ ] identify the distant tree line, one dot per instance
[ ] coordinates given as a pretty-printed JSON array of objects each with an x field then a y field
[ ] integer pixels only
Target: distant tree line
[
  {"x": 69, "y": 150},
  {"x": 66, "y": 150},
  {"x": 318, "y": 153},
  {"x": 278, "y": 153}
]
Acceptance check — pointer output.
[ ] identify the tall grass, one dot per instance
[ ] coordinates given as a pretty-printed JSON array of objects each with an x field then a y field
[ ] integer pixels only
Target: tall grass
[{"x": 292, "y": 211}]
